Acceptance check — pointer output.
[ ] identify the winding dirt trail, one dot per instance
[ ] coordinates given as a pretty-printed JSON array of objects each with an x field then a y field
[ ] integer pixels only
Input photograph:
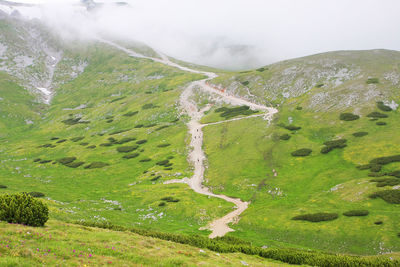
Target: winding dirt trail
[{"x": 219, "y": 227}]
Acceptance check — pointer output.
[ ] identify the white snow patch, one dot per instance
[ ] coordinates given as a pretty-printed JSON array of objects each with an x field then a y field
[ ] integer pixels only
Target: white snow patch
[{"x": 44, "y": 90}]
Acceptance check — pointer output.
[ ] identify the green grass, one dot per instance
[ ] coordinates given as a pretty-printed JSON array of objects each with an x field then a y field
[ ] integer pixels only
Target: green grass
[
  {"x": 65, "y": 244},
  {"x": 241, "y": 165}
]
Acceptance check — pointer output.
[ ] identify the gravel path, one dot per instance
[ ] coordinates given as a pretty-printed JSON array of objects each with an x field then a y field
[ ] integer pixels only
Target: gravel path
[{"x": 219, "y": 227}]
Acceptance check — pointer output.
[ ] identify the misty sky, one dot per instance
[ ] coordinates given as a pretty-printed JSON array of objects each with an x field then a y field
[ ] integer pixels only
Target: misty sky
[{"x": 238, "y": 34}]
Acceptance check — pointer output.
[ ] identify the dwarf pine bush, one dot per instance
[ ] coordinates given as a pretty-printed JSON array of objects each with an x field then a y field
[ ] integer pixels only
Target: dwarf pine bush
[{"x": 24, "y": 209}]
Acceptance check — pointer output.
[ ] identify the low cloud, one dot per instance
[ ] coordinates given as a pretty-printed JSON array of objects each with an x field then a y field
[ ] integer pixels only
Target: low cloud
[{"x": 234, "y": 34}]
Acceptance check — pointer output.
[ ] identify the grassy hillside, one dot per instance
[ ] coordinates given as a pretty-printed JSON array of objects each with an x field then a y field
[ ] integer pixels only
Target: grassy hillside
[
  {"x": 114, "y": 132},
  {"x": 73, "y": 245},
  {"x": 253, "y": 160}
]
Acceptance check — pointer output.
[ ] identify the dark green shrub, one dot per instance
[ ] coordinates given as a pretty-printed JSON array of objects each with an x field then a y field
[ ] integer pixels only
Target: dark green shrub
[
  {"x": 301, "y": 152},
  {"x": 376, "y": 115},
  {"x": 96, "y": 164},
  {"x": 229, "y": 113},
  {"x": 299, "y": 108},
  {"x": 155, "y": 178},
  {"x": 356, "y": 213},
  {"x": 130, "y": 113},
  {"x": 24, "y": 209},
  {"x": 74, "y": 164},
  {"x": 126, "y": 140},
  {"x": 71, "y": 121},
  {"x": 317, "y": 217},
  {"x": 84, "y": 144},
  {"x": 54, "y": 138},
  {"x": 348, "y": 117},
  {"x": 117, "y": 99},
  {"x": 372, "y": 80},
  {"x": 141, "y": 142},
  {"x": 381, "y": 123},
  {"x": 284, "y": 137},
  {"x": 360, "y": 134},
  {"x": 76, "y": 139},
  {"x": 319, "y": 85},
  {"x": 61, "y": 141},
  {"x": 36, "y": 194},
  {"x": 375, "y": 167},
  {"x": 383, "y": 107},
  {"x": 168, "y": 164},
  {"x": 170, "y": 199},
  {"x": 163, "y": 162},
  {"x": 245, "y": 83},
  {"x": 131, "y": 156},
  {"x": 150, "y": 125},
  {"x": 112, "y": 140},
  {"x": 163, "y": 145},
  {"x": 386, "y": 160},
  {"x": 91, "y": 147},
  {"x": 138, "y": 126},
  {"x": 330, "y": 145},
  {"x": 168, "y": 169},
  {"x": 109, "y": 121},
  {"x": 44, "y": 161},
  {"x": 162, "y": 204},
  {"x": 106, "y": 144},
  {"x": 262, "y": 69},
  {"x": 3, "y": 186},
  {"x": 126, "y": 149},
  {"x": 381, "y": 182},
  {"x": 149, "y": 106},
  {"x": 37, "y": 160},
  {"x": 161, "y": 127},
  {"x": 119, "y": 131},
  {"x": 48, "y": 145},
  {"x": 66, "y": 160},
  {"x": 145, "y": 160},
  {"x": 227, "y": 245},
  {"x": 378, "y": 222},
  {"x": 394, "y": 173},
  {"x": 390, "y": 196}
]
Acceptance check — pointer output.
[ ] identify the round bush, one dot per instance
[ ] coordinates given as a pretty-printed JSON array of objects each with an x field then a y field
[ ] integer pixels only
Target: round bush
[
  {"x": 380, "y": 123},
  {"x": 356, "y": 213},
  {"x": 24, "y": 209},
  {"x": 3, "y": 186},
  {"x": 301, "y": 152}
]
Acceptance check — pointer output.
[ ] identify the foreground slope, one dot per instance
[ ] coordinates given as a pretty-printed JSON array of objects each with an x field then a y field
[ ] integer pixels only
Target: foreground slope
[{"x": 73, "y": 245}]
